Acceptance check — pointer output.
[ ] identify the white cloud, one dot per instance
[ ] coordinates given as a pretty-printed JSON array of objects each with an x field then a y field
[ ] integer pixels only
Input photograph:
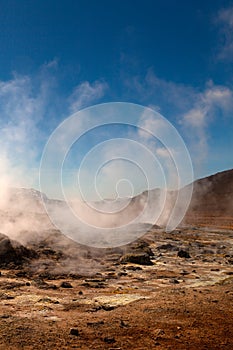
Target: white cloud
[
  {"x": 20, "y": 111},
  {"x": 86, "y": 93},
  {"x": 196, "y": 121},
  {"x": 225, "y": 20},
  {"x": 27, "y": 114},
  {"x": 192, "y": 111},
  {"x": 163, "y": 152},
  {"x": 162, "y": 94},
  {"x": 23, "y": 105}
]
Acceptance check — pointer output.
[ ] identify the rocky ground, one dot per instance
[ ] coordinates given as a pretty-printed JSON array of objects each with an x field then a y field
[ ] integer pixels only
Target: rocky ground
[{"x": 165, "y": 291}]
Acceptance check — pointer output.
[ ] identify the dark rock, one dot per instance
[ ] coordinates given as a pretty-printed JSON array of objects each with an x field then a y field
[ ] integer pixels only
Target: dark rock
[
  {"x": 134, "y": 268},
  {"x": 108, "y": 307},
  {"x": 141, "y": 247},
  {"x": 12, "y": 253},
  {"x": 184, "y": 273},
  {"x": 167, "y": 246},
  {"x": 40, "y": 283},
  {"x": 109, "y": 340},
  {"x": 174, "y": 281},
  {"x": 95, "y": 324},
  {"x": 183, "y": 254},
  {"x": 74, "y": 331},
  {"x": 122, "y": 273},
  {"x": 21, "y": 273},
  {"x": 123, "y": 324},
  {"x": 65, "y": 284},
  {"x": 136, "y": 258},
  {"x": 94, "y": 284}
]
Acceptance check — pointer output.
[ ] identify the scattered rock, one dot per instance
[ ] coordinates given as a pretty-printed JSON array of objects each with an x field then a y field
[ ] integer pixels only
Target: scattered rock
[
  {"x": 11, "y": 285},
  {"x": 167, "y": 246},
  {"x": 109, "y": 340},
  {"x": 40, "y": 283},
  {"x": 184, "y": 273},
  {"x": 141, "y": 247},
  {"x": 136, "y": 258},
  {"x": 93, "y": 284},
  {"x": 108, "y": 307},
  {"x": 74, "y": 331},
  {"x": 13, "y": 253},
  {"x": 134, "y": 268},
  {"x": 159, "y": 333},
  {"x": 95, "y": 324},
  {"x": 21, "y": 273},
  {"x": 123, "y": 324},
  {"x": 174, "y": 281},
  {"x": 4, "y": 316},
  {"x": 183, "y": 254},
  {"x": 122, "y": 273},
  {"x": 65, "y": 284}
]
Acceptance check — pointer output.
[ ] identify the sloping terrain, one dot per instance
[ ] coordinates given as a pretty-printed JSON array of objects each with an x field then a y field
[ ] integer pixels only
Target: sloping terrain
[{"x": 212, "y": 201}]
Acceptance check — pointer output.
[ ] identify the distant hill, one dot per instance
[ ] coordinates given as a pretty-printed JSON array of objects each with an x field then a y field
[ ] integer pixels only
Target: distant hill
[
  {"x": 212, "y": 201},
  {"x": 211, "y": 205}
]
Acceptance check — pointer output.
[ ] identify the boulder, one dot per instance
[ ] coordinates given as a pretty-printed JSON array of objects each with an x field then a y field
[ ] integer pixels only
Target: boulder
[
  {"x": 11, "y": 252},
  {"x": 136, "y": 258}
]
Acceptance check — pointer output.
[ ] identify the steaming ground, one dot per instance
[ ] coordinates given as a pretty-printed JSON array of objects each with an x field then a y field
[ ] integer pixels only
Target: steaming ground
[{"x": 57, "y": 293}]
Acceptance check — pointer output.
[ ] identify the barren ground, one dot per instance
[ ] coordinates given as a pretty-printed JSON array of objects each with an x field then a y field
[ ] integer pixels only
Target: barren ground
[{"x": 176, "y": 303}]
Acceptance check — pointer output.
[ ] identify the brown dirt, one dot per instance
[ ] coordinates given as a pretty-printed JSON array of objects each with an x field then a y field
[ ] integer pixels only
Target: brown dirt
[{"x": 176, "y": 303}]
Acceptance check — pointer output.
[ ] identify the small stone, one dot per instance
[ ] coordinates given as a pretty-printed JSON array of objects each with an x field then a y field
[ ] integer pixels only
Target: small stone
[
  {"x": 183, "y": 254},
  {"x": 108, "y": 307},
  {"x": 74, "y": 331},
  {"x": 136, "y": 258},
  {"x": 80, "y": 292},
  {"x": 123, "y": 324},
  {"x": 122, "y": 273},
  {"x": 65, "y": 284},
  {"x": 109, "y": 340},
  {"x": 174, "y": 281}
]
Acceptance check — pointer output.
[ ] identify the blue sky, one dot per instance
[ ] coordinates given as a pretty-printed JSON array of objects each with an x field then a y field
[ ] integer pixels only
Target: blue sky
[{"x": 57, "y": 57}]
